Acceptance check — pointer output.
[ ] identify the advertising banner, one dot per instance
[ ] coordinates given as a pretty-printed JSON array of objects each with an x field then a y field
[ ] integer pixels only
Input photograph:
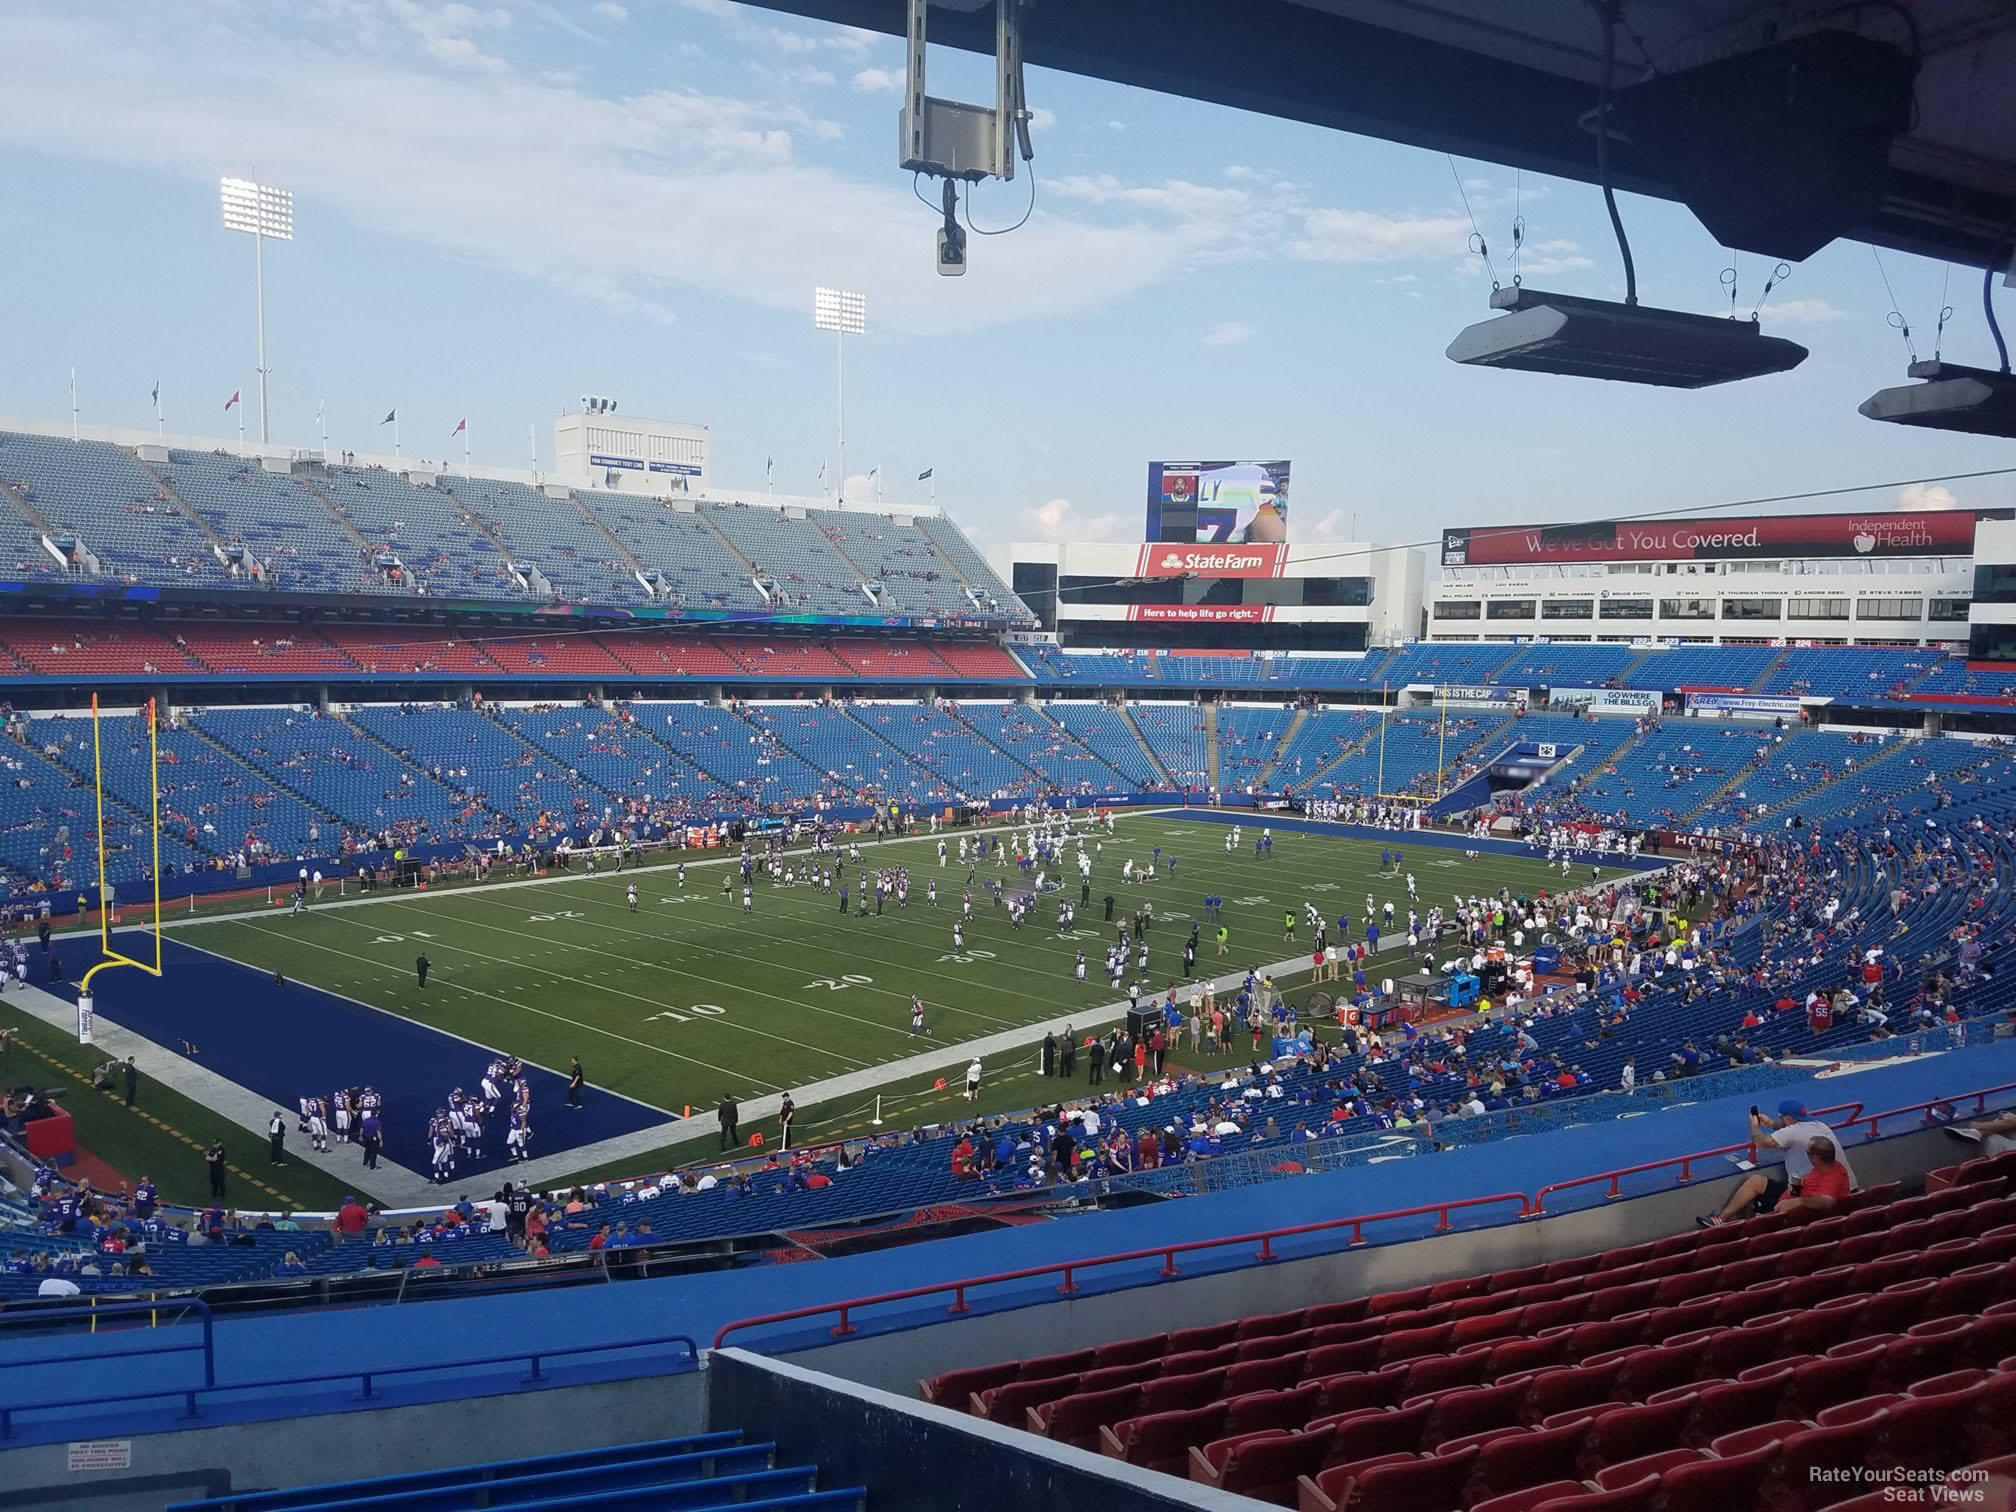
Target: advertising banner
[
  {"x": 1631, "y": 701},
  {"x": 1203, "y": 614},
  {"x": 1743, "y": 705},
  {"x": 1458, "y": 695},
  {"x": 1158, "y": 561},
  {"x": 1217, "y": 502},
  {"x": 1935, "y": 532}
]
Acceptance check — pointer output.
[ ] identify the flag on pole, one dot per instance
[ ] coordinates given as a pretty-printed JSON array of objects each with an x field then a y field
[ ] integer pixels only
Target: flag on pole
[
  {"x": 769, "y": 466},
  {"x": 156, "y": 395},
  {"x": 232, "y": 400},
  {"x": 875, "y": 471},
  {"x": 460, "y": 426},
  {"x": 822, "y": 474},
  {"x": 390, "y": 416},
  {"x": 924, "y": 474}
]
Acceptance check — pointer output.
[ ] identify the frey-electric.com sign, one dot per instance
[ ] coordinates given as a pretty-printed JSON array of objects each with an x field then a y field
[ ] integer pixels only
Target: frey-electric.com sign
[
  {"x": 1945, "y": 532},
  {"x": 1167, "y": 560}
]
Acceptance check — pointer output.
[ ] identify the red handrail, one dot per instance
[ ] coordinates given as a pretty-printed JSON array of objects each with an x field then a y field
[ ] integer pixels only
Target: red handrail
[
  {"x": 1684, "y": 1162},
  {"x": 1069, "y": 1269},
  {"x": 1265, "y": 1238},
  {"x": 1980, "y": 1097}
]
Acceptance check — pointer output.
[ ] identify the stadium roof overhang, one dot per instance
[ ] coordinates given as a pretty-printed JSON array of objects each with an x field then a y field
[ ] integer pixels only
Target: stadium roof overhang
[{"x": 1516, "y": 84}]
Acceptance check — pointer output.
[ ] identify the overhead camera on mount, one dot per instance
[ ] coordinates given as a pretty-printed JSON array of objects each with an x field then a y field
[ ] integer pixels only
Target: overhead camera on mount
[{"x": 952, "y": 141}]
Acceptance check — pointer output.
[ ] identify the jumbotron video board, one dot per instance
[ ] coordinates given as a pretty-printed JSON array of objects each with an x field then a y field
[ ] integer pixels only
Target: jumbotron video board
[{"x": 1218, "y": 503}]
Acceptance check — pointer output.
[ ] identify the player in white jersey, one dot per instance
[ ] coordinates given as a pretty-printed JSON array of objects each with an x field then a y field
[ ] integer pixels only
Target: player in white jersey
[
  {"x": 518, "y": 1138},
  {"x": 631, "y": 897},
  {"x": 959, "y": 933},
  {"x": 748, "y": 899},
  {"x": 318, "y": 1125},
  {"x": 441, "y": 1138}
]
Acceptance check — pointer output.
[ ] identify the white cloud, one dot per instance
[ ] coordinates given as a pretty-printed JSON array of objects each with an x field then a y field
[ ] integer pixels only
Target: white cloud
[
  {"x": 879, "y": 80},
  {"x": 1801, "y": 312},
  {"x": 1228, "y": 333},
  {"x": 609, "y": 10},
  {"x": 1398, "y": 280},
  {"x": 1539, "y": 259},
  {"x": 1367, "y": 236},
  {"x": 1116, "y": 125},
  {"x": 1061, "y": 520},
  {"x": 1926, "y": 496},
  {"x": 1041, "y": 119},
  {"x": 479, "y": 177},
  {"x": 1239, "y": 171}
]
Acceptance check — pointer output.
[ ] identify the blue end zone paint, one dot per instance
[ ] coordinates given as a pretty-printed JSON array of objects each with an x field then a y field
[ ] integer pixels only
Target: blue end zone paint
[
  {"x": 275, "y": 1347},
  {"x": 291, "y": 1041},
  {"x": 1409, "y": 840}
]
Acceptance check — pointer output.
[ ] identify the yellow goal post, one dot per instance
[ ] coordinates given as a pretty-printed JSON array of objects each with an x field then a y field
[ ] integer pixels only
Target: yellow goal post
[{"x": 107, "y": 898}]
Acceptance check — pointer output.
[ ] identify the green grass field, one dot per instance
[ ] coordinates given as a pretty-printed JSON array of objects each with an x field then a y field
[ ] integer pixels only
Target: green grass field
[
  {"x": 690, "y": 996},
  {"x": 164, "y": 1134}
]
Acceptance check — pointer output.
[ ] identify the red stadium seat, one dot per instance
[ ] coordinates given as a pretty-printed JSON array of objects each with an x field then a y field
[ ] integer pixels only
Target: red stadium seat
[
  {"x": 1434, "y": 1484},
  {"x": 1814, "y": 1463},
  {"x": 1009, "y": 1404},
  {"x": 1357, "y": 1390},
  {"x": 1263, "y": 1466},
  {"x": 1263, "y": 1375},
  {"x": 1162, "y": 1440},
  {"x": 1076, "y": 1419},
  {"x": 1631, "y": 1472},
  {"x": 1472, "y": 1410},
  {"x": 1396, "y": 1431},
  {"x": 955, "y": 1388},
  {"x": 1552, "y": 1391},
  {"x": 1531, "y": 1458},
  {"x": 1445, "y": 1372},
  {"x": 1516, "y": 1356},
  {"x": 1628, "y": 1433},
  {"x": 1528, "y": 1498},
  {"x": 1177, "y": 1393},
  {"x": 1716, "y": 1485}
]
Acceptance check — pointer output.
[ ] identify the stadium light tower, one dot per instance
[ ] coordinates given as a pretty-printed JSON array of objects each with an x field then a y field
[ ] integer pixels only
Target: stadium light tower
[
  {"x": 844, "y": 314},
  {"x": 262, "y": 213}
]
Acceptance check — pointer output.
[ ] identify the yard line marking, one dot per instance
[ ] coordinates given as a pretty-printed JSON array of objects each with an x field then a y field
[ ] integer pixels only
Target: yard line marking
[
  {"x": 522, "y": 1007},
  {"x": 899, "y": 994},
  {"x": 654, "y": 1003}
]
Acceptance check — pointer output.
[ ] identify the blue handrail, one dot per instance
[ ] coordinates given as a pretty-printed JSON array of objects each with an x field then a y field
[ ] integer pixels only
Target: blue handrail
[{"x": 535, "y": 1359}]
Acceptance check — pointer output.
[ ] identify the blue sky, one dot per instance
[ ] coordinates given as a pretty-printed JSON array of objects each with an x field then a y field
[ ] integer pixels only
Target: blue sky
[{"x": 503, "y": 206}]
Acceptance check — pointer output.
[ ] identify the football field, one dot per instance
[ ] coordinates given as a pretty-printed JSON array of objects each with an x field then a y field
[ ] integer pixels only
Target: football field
[{"x": 691, "y": 996}]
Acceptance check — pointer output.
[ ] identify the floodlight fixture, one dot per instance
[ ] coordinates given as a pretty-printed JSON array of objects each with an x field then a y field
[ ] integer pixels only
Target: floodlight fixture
[
  {"x": 1949, "y": 397},
  {"x": 264, "y": 213},
  {"x": 844, "y": 313},
  {"x": 1627, "y": 343},
  {"x": 839, "y": 310}
]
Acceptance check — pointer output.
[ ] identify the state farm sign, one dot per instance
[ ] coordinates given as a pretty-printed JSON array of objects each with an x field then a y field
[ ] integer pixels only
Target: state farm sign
[
  {"x": 1204, "y": 614},
  {"x": 1165, "y": 560}
]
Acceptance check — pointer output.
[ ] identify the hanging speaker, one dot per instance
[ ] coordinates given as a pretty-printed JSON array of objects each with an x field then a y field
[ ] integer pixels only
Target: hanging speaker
[{"x": 1779, "y": 150}]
